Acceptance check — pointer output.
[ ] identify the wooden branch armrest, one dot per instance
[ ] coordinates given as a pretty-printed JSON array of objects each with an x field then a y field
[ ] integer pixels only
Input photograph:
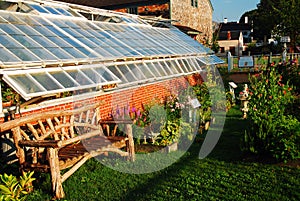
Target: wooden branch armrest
[
  {"x": 80, "y": 137},
  {"x": 41, "y": 143}
]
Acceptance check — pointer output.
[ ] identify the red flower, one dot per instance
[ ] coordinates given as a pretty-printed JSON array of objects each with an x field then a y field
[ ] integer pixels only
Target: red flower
[{"x": 284, "y": 92}]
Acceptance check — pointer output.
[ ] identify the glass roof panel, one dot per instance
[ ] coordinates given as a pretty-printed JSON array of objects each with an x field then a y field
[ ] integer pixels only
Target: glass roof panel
[
  {"x": 46, "y": 80},
  {"x": 127, "y": 73},
  {"x": 116, "y": 72},
  {"x": 152, "y": 69},
  {"x": 188, "y": 66},
  {"x": 52, "y": 10},
  {"x": 43, "y": 54},
  {"x": 93, "y": 75},
  {"x": 8, "y": 42},
  {"x": 79, "y": 77},
  {"x": 6, "y": 56},
  {"x": 37, "y": 82},
  {"x": 106, "y": 74},
  {"x": 78, "y": 38},
  {"x": 166, "y": 67},
  {"x": 137, "y": 71},
  {"x": 211, "y": 59},
  {"x": 182, "y": 66},
  {"x": 39, "y": 8},
  {"x": 59, "y": 53},
  {"x": 63, "y": 78},
  {"x": 146, "y": 71},
  {"x": 23, "y": 54},
  {"x": 25, "y": 41},
  {"x": 25, "y": 84},
  {"x": 159, "y": 68}
]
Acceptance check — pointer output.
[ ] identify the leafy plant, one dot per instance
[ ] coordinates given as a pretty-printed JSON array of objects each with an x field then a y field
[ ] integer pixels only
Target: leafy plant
[
  {"x": 272, "y": 129},
  {"x": 13, "y": 189}
]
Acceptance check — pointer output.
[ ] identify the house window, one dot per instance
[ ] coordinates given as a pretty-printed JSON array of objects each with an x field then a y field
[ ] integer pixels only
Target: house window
[
  {"x": 194, "y": 3},
  {"x": 222, "y": 49},
  {"x": 132, "y": 10}
]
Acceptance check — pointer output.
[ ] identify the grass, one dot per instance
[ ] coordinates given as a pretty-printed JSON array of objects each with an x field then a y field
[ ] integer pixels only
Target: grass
[{"x": 223, "y": 175}]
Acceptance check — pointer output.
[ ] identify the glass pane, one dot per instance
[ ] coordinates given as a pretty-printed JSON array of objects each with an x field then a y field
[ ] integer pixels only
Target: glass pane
[
  {"x": 200, "y": 63},
  {"x": 24, "y": 54},
  {"x": 145, "y": 70},
  {"x": 75, "y": 53},
  {"x": 93, "y": 75},
  {"x": 63, "y": 79},
  {"x": 115, "y": 71},
  {"x": 177, "y": 66},
  {"x": 27, "y": 30},
  {"x": 9, "y": 29},
  {"x": 43, "y": 54},
  {"x": 59, "y": 42},
  {"x": 138, "y": 73},
  {"x": 79, "y": 77},
  {"x": 159, "y": 69},
  {"x": 39, "y": 8},
  {"x": 187, "y": 65},
  {"x": 8, "y": 42},
  {"x": 63, "y": 11},
  {"x": 6, "y": 56},
  {"x": 166, "y": 68},
  {"x": 52, "y": 10},
  {"x": 153, "y": 69},
  {"x": 44, "y": 42},
  {"x": 172, "y": 66},
  {"x": 126, "y": 73},
  {"x": 106, "y": 75},
  {"x": 26, "y": 84},
  {"x": 182, "y": 66},
  {"x": 45, "y": 81},
  {"x": 59, "y": 53},
  {"x": 44, "y": 31},
  {"x": 25, "y": 41},
  {"x": 193, "y": 64}
]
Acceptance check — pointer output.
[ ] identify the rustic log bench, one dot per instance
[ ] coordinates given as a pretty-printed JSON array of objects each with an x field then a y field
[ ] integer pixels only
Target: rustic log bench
[{"x": 58, "y": 140}]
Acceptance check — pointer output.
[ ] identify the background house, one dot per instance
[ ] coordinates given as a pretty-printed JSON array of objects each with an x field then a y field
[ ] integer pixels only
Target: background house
[
  {"x": 234, "y": 37},
  {"x": 194, "y": 17}
]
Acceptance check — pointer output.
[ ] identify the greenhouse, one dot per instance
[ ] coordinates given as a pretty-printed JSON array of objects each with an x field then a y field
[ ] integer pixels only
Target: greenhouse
[{"x": 50, "y": 49}]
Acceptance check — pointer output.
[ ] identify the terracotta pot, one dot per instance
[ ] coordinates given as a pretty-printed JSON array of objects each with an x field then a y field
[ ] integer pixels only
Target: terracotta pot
[{"x": 7, "y": 104}]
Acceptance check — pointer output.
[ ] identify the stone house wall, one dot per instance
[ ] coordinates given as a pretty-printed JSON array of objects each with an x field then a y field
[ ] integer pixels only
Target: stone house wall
[{"x": 199, "y": 18}]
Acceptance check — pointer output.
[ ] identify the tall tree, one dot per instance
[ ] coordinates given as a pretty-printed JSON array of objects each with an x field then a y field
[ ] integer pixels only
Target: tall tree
[
  {"x": 289, "y": 24},
  {"x": 276, "y": 17}
]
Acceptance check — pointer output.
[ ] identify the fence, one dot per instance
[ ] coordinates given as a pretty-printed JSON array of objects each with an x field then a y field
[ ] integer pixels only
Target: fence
[{"x": 260, "y": 60}]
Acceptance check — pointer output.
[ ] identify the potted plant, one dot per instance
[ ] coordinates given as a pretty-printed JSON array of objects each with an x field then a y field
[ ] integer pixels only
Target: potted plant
[{"x": 8, "y": 97}]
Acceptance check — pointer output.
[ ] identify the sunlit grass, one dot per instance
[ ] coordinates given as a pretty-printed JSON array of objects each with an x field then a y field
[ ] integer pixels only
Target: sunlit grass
[{"x": 223, "y": 175}]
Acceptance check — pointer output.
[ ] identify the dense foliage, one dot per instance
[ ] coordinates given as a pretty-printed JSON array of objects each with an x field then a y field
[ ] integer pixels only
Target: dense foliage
[
  {"x": 15, "y": 189},
  {"x": 275, "y": 18},
  {"x": 273, "y": 130}
]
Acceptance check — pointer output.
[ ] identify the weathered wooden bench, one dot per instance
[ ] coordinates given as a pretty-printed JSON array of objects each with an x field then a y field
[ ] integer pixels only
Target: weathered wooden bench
[{"x": 58, "y": 140}]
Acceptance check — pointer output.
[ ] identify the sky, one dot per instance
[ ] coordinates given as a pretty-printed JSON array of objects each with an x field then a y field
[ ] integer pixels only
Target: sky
[{"x": 232, "y": 9}]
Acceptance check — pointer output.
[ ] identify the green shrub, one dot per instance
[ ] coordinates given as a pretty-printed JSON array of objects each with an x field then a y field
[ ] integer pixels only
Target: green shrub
[
  {"x": 272, "y": 130},
  {"x": 12, "y": 189}
]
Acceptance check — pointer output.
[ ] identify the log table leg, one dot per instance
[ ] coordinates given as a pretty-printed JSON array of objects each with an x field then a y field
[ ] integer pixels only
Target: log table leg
[
  {"x": 130, "y": 143},
  {"x": 55, "y": 173}
]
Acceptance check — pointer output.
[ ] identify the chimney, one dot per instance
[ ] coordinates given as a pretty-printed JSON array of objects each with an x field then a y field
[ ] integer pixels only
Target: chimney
[
  {"x": 225, "y": 20},
  {"x": 246, "y": 20}
]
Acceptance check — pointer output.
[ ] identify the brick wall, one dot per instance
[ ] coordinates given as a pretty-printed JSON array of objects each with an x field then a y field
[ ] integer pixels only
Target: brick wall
[{"x": 135, "y": 96}]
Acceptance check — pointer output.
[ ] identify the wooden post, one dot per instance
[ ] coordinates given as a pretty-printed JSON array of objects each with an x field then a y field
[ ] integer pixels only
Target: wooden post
[
  {"x": 55, "y": 173},
  {"x": 130, "y": 143},
  {"x": 19, "y": 151}
]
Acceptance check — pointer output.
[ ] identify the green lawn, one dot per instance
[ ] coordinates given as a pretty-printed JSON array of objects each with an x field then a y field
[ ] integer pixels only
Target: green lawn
[{"x": 223, "y": 175}]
